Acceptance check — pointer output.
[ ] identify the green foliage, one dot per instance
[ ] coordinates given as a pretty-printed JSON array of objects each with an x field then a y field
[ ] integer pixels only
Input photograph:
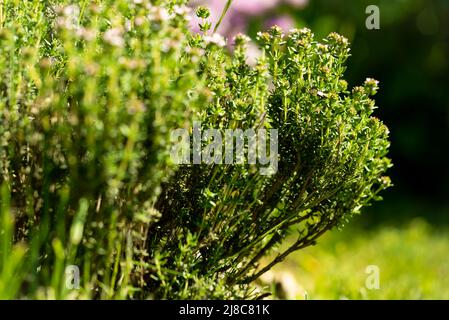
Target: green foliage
[
  {"x": 88, "y": 97},
  {"x": 332, "y": 156},
  {"x": 412, "y": 262}
]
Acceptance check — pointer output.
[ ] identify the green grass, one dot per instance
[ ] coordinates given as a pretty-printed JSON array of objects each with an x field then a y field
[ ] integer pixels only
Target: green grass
[{"x": 413, "y": 261}]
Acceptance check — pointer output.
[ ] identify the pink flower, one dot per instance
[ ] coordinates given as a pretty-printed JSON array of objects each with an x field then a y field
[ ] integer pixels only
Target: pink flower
[
  {"x": 253, "y": 7},
  {"x": 284, "y": 22},
  {"x": 240, "y": 13}
]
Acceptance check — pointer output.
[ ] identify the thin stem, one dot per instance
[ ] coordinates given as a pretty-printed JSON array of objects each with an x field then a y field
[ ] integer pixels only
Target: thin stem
[
  {"x": 1, "y": 13},
  {"x": 223, "y": 13},
  {"x": 299, "y": 244}
]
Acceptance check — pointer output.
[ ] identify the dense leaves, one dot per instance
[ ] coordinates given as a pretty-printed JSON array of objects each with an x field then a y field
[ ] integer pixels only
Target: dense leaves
[{"x": 88, "y": 97}]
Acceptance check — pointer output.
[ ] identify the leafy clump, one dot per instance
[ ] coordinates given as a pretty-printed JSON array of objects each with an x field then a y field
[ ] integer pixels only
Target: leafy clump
[
  {"x": 89, "y": 95},
  {"x": 331, "y": 156}
]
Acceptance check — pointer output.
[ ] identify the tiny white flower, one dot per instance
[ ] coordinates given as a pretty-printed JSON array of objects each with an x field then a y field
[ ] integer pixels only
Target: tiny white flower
[
  {"x": 181, "y": 10},
  {"x": 216, "y": 39},
  {"x": 114, "y": 37},
  {"x": 139, "y": 21},
  {"x": 71, "y": 11},
  {"x": 169, "y": 44},
  {"x": 253, "y": 54},
  {"x": 293, "y": 30},
  {"x": 159, "y": 14},
  {"x": 371, "y": 81},
  {"x": 242, "y": 38},
  {"x": 128, "y": 25},
  {"x": 68, "y": 17},
  {"x": 195, "y": 53},
  {"x": 86, "y": 34}
]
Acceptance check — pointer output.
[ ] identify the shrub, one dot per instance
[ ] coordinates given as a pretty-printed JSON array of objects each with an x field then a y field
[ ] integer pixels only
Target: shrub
[{"x": 89, "y": 95}]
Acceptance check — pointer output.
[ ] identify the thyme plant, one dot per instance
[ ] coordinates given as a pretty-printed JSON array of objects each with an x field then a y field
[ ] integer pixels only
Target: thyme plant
[{"x": 89, "y": 94}]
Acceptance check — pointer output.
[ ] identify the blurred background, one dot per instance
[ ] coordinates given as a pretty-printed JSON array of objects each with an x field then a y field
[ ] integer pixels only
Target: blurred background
[{"x": 407, "y": 235}]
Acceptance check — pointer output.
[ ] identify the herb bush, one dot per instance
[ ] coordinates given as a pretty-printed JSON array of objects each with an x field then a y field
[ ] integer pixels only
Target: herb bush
[{"x": 89, "y": 94}]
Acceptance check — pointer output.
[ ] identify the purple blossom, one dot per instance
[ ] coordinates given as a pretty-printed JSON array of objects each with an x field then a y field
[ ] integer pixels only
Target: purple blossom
[
  {"x": 284, "y": 22},
  {"x": 253, "y": 7},
  {"x": 241, "y": 11}
]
